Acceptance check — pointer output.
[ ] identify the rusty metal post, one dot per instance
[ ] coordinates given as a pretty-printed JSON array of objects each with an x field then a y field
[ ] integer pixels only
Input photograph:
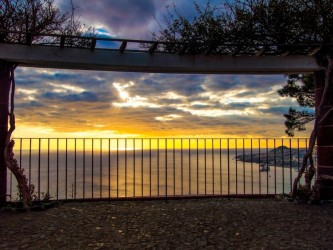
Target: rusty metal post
[{"x": 4, "y": 102}]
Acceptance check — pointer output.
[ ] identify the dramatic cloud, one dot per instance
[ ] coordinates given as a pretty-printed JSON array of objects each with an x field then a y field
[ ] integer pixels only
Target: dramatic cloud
[
  {"x": 125, "y": 18},
  {"x": 110, "y": 104},
  {"x": 149, "y": 104}
]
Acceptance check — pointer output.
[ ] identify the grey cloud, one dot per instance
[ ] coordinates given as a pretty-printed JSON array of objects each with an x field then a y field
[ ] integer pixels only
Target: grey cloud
[
  {"x": 26, "y": 105},
  {"x": 84, "y": 96},
  {"x": 125, "y": 18},
  {"x": 227, "y": 82}
]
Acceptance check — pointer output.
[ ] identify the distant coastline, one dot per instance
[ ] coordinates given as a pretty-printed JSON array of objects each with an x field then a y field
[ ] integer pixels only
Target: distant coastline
[{"x": 281, "y": 156}]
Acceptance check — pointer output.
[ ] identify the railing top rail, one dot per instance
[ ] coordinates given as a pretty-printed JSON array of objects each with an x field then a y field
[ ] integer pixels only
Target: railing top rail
[
  {"x": 160, "y": 138},
  {"x": 258, "y": 49}
]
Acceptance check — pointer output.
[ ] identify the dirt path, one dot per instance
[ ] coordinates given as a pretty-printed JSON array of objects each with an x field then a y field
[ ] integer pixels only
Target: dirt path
[{"x": 179, "y": 224}]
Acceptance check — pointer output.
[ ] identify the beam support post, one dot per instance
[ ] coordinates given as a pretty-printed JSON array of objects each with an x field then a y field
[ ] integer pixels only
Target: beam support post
[
  {"x": 4, "y": 105},
  {"x": 325, "y": 138}
]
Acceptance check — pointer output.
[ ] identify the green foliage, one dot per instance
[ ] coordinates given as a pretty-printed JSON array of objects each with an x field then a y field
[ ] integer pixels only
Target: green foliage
[
  {"x": 300, "y": 87},
  {"x": 39, "y": 16},
  {"x": 296, "y": 120},
  {"x": 250, "y": 22},
  {"x": 303, "y": 193},
  {"x": 256, "y": 22},
  {"x": 45, "y": 196}
]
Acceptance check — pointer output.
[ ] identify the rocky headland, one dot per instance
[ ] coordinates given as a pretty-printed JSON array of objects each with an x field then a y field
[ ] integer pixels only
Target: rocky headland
[{"x": 281, "y": 156}]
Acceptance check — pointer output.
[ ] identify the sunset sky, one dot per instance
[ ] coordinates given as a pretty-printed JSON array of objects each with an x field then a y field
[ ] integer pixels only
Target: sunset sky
[{"x": 67, "y": 103}]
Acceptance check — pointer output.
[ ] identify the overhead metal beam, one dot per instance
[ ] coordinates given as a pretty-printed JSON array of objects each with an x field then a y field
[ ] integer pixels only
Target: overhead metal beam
[
  {"x": 153, "y": 47},
  {"x": 129, "y": 61}
]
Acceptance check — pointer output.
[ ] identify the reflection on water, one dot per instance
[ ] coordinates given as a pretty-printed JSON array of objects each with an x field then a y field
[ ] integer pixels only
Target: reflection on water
[{"x": 104, "y": 174}]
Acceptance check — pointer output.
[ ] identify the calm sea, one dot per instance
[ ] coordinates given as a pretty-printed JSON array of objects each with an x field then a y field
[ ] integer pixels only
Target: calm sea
[{"x": 91, "y": 174}]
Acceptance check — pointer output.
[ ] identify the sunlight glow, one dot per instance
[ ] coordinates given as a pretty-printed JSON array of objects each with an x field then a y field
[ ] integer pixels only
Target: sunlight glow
[
  {"x": 172, "y": 96},
  {"x": 128, "y": 101},
  {"x": 135, "y": 102},
  {"x": 216, "y": 112},
  {"x": 64, "y": 88},
  {"x": 167, "y": 117},
  {"x": 121, "y": 89}
]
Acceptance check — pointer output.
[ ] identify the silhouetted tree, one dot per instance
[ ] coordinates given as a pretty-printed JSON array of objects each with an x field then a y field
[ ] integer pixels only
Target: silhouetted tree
[
  {"x": 300, "y": 87},
  {"x": 33, "y": 17},
  {"x": 260, "y": 22}
]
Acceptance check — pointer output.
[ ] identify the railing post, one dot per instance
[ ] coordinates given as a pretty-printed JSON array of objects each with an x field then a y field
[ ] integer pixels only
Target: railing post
[
  {"x": 4, "y": 102},
  {"x": 28, "y": 39}
]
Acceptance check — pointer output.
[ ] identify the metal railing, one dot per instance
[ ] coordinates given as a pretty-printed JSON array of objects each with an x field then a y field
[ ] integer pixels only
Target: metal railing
[
  {"x": 108, "y": 168},
  {"x": 153, "y": 46}
]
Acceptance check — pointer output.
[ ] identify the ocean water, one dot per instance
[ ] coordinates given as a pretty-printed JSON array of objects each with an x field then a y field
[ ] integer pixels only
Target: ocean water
[{"x": 141, "y": 173}]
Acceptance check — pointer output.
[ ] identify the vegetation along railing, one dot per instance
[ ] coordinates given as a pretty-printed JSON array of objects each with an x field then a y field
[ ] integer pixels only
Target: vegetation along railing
[
  {"x": 152, "y": 46},
  {"x": 108, "y": 168}
]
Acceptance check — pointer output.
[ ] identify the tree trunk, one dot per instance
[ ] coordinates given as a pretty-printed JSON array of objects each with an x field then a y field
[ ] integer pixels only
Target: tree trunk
[
  {"x": 4, "y": 105},
  {"x": 325, "y": 133}
]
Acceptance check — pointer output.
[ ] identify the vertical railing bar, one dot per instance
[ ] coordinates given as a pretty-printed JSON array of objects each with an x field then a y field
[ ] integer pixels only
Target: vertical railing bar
[
  {"x": 84, "y": 168},
  {"x": 66, "y": 167},
  {"x": 48, "y": 166},
  {"x": 274, "y": 166},
  {"x": 228, "y": 147},
  {"x": 21, "y": 141},
  {"x": 220, "y": 166},
  {"x": 306, "y": 143},
  {"x": 282, "y": 152},
  {"x": 189, "y": 166},
  {"x": 100, "y": 167},
  {"x": 244, "y": 188},
  {"x": 259, "y": 147},
  {"x": 251, "y": 166},
  {"x": 290, "y": 165},
  {"x": 268, "y": 167},
  {"x": 158, "y": 167},
  {"x": 117, "y": 168},
  {"x": 174, "y": 168},
  {"x": 20, "y": 160},
  {"x": 75, "y": 162},
  {"x": 150, "y": 166},
  {"x": 166, "y": 168},
  {"x": 92, "y": 168},
  {"x": 57, "y": 168},
  {"x": 181, "y": 166},
  {"x": 109, "y": 168},
  {"x": 236, "y": 152},
  {"x": 30, "y": 162},
  {"x": 298, "y": 155},
  {"x": 134, "y": 167},
  {"x": 213, "y": 166},
  {"x": 10, "y": 186},
  {"x": 125, "y": 167},
  {"x": 205, "y": 144},
  {"x": 39, "y": 146},
  {"x": 197, "y": 166},
  {"x": 141, "y": 167}
]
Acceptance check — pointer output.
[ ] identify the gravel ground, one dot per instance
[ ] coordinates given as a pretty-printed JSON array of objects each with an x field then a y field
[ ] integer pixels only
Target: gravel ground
[{"x": 215, "y": 223}]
